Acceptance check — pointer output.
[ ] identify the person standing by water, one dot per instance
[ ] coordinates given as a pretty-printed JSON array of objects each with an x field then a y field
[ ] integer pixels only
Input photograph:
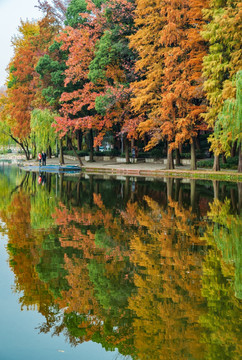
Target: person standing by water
[
  {"x": 39, "y": 158},
  {"x": 43, "y": 158}
]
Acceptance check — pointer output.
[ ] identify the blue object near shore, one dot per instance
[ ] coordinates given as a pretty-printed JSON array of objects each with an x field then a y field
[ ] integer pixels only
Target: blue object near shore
[{"x": 53, "y": 168}]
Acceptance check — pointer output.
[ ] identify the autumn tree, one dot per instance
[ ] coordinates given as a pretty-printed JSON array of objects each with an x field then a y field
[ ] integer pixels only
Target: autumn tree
[
  {"x": 20, "y": 93},
  {"x": 223, "y": 32},
  {"x": 113, "y": 70},
  {"x": 23, "y": 93},
  {"x": 171, "y": 51}
]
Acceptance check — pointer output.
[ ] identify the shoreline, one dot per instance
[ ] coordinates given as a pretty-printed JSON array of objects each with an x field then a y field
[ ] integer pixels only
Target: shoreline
[{"x": 155, "y": 170}]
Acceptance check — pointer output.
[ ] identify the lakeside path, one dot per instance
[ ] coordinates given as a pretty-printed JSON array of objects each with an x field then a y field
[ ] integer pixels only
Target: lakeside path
[{"x": 137, "y": 169}]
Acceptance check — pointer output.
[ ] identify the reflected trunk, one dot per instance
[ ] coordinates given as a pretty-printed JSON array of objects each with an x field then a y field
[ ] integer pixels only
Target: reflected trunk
[
  {"x": 216, "y": 189},
  {"x": 193, "y": 194}
]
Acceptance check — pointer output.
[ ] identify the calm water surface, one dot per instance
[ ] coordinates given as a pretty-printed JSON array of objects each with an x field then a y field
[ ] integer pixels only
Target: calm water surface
[{"x": 99, "y": 269}]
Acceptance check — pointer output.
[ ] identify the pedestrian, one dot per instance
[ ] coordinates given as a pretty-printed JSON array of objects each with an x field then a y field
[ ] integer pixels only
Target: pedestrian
[
  {"x": 133, "y": 154},
  {"x": 43, "y": 158},
  {"x": 39, "y": 158}
]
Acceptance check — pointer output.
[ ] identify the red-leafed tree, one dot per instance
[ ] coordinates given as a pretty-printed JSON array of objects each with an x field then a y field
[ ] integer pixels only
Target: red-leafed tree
[{"x": 101, "y": 63}]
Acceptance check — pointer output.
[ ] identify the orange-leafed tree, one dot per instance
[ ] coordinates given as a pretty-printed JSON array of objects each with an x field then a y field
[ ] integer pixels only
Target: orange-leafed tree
[
  {"x": 171, "y": 52},
  {"x": 23, "y": 93}
]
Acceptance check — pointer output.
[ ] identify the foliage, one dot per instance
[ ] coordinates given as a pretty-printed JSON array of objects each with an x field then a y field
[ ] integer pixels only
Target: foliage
[
  {"x": 228, "y": 127},
  {"x": 171, "y": 51},
  {"x": 223, "y": 61},
  {"x": 42, "y": 131},
  {"x": 231, "y": 163}
]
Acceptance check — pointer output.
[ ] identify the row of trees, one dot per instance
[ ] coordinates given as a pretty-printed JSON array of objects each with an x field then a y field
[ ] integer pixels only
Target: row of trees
[{"x": 157, "y": 71}]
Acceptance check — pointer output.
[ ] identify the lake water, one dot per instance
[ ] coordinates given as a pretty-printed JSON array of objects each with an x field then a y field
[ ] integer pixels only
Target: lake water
[{"x": 97, "y": 268}]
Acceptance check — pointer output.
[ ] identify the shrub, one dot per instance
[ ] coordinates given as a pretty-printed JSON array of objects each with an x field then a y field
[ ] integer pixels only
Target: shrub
[{"x": 231, "y": 163}]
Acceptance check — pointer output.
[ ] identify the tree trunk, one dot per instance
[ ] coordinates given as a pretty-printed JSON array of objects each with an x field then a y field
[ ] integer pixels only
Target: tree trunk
[
  {"x": 49, "y": 152},
  {"x": 198, "y": 145},
  {"x": 61, "y": 182},
  {"x": 79, "y": 139},
  {"x": 216, "y": 165},
  {"x": 178, "y": 158},
  {"x": 233, "y": 200},
  {"x": 78, "y": 157},
  {"x": 177, "y": 189},
  {"x": 216, "y": 189},
  {"x": 224, "y": 159},
  {"x": 239, "y": 197},
  {"x": 240, "y": 160},
  {"x": 233, "y": 149},
  {"x": 180, "y": 197},
  {"x": 91, "y": 146},
  {"x": 127, "y": 150},
  {"x": 26, "y": 151},
  {"x": 169, "y": 188},
  {"x": 193, "y": 156},
  {"x": 61, "y": 153},
  {"x": 68, "y": 143},
  {"x": 193, "y": 194},
  {"x": 34, "y": 151},
  {"x": 170, "y": 162}
]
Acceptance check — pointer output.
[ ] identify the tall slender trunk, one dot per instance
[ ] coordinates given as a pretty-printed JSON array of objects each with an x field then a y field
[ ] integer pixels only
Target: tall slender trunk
[
  {"x": 178, "y": 158},
  {"x": 193, "y": 155},
  {"x": 91, "y": 146},
  {"x": 78, "y": 157},
  {"x": 215, "y": 189},
  {"x": 79, "y": 139},
  {"x": 177, "y": 189},
  {"x": 198, "y": 144},
  {"x": 169, "y": 185},
  {"x": 224, "y": 160},
  {"x": 61, "y": 183},
  {"x": 240, "y": 160},
  {"x": 239, "y": 197},
  {"x": 127, "y": 150},
  {"x": 233, "y": 200},
  {"x": 49, "y": 151},
  {"x": 61, "y": 152},
  {"x": 216, "y": 165},
  {"x": 170, "y": 162},
  {"x": 193, "y": 194},
  {"x": 233, "y": 149}
]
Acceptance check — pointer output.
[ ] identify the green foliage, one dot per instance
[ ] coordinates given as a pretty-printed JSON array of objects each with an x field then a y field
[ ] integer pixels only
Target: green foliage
[
  {"x": 103, "y": 103},
  {"x": 221, "y": 64},
  {"x": 73, "y": 17},
  {"x": 54, "y": 71},
  {"x": 51, "y": 266},
  {"x": 228, "y": 127},
  {"x": 73, "y": 322},
  {"x": 75, "y": 7},
  {"x": 4, "y": 131},
  {"x": 43, "y": 205},
  {"x": 231, "y": 163},
  {"x": 42, "y": 132}
]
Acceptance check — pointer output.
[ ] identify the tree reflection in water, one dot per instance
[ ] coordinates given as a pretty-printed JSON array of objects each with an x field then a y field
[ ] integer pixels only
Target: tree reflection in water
[{"x": 152, "y": 269}]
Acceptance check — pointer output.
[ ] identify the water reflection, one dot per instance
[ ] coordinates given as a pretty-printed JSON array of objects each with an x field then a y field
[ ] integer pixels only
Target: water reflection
[{"x": 152, "y": 269}]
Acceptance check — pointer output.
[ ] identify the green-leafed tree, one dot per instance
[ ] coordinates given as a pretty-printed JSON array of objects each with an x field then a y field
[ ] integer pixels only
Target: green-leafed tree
[
  {"x": 224, "y": 60},
  {"x": 228, "y": 127},
  {"x": 42, "y": 133}
]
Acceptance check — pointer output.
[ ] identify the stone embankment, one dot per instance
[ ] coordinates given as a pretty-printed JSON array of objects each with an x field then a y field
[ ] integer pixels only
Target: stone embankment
[{"x": 144, "y": 169}]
